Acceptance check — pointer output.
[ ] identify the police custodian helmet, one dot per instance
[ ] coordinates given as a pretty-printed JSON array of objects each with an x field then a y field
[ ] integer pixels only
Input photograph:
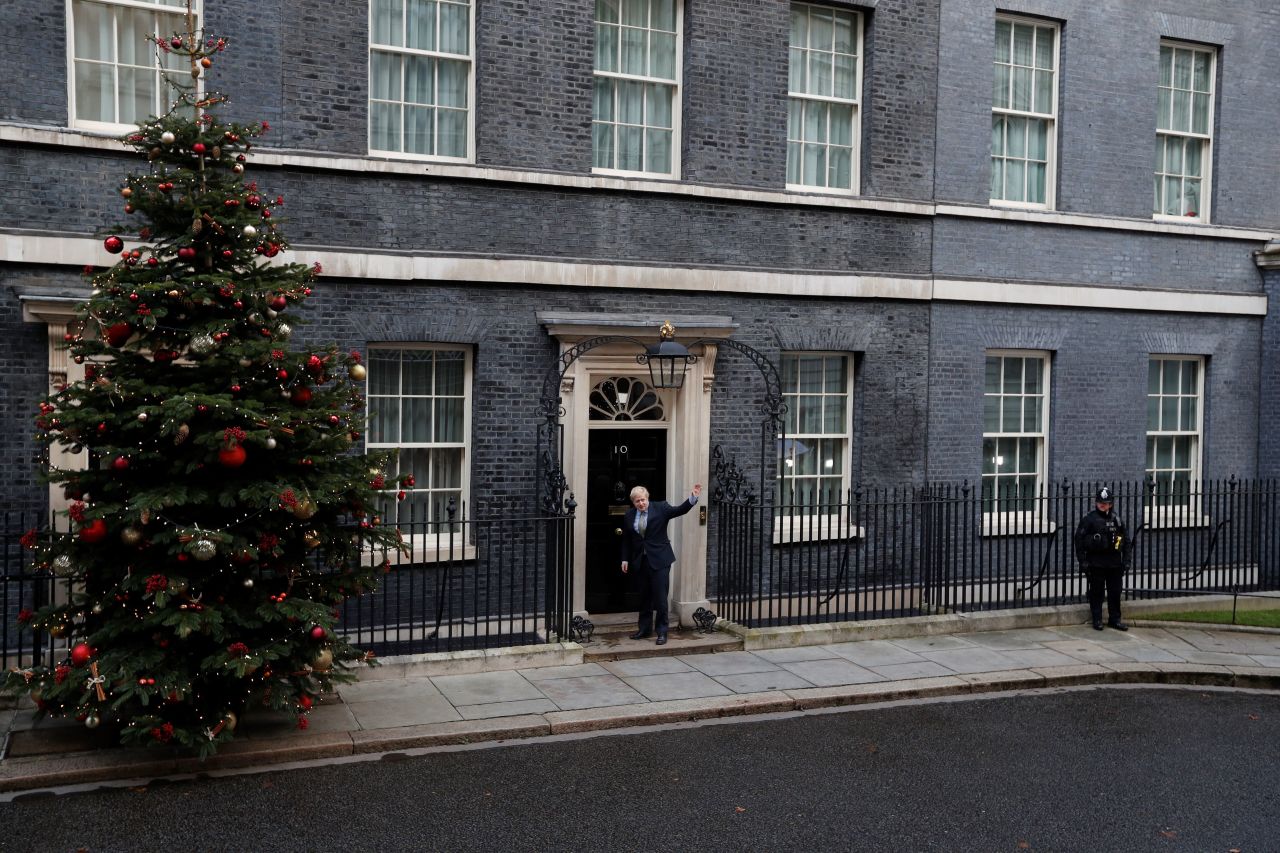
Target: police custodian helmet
[{"x": 1105, "y": 495}]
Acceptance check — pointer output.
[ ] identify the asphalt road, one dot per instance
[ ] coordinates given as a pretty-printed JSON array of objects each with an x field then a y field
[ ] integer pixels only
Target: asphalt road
[{"x": 1069, "y": 770}]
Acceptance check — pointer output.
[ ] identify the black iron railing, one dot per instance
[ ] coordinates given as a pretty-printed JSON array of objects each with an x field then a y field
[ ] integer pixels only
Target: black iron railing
[
  {"x": 502, "y": 579},
  {"x": 951, "y": 548}
]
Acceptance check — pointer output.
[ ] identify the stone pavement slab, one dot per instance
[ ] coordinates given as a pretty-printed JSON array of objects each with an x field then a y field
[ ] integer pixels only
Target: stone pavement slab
[
  {"x": 591, "y": 691},
  {"x": 1020, "y": 638},
  {"x": 546, "y": 673},
  {"x": 761, "y": 682},
  {"x": 406, "y": 711},
  {"x": 1086, "y": 651},
  {"x": 677, "y": 685},
  {"x": 647, "y": 666},
  {"x": 506, "y": 709},
  {"x": 797, "y": 653},
  {"x": 933, "y": 644},
  {"x": 485, "y": 687},
  {"x": 972, "y": 659},
  {"x": 827, "y": 673},
  {"x": 729, "y": 663},
  {"x": 874, "y": 653},
  {"x": 920, "y": 668}
]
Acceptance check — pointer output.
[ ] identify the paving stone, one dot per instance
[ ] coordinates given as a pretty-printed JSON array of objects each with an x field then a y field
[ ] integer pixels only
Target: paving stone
[
  {"x": 920, "y": 668},
  {"x": 729, "y": 663},
  {"x": 1164, "y": 639},
  {"x": 1086, "y": 651},
  {"x": 647, "y": 666},
  {"x": 799, "y": 653},
  {"x": 678, "y": 685},
  {"x": 972, "y": 659},
  {"x": 1038, "y": 657},
  {"x": 874, "y": 653},
  {"x": 828, "y": 673},
  {"x": 1022, "y": 638},
  {"x": 933, "y": 644},
  {"x": 1219, "y": 658},
  {"x": 411, "y": 711},
  {"x": 592, "y": 691},
  {"x": 759, "y": 682},
  {"x": 506, "y": 709},
  {"x": 546, "y": 673},
  {"x": 1147, "y": 653},
  {"x": 396, "y": 688},
  {"x": 484, "y": 687},
  {"x": 1267, "y": 660}
]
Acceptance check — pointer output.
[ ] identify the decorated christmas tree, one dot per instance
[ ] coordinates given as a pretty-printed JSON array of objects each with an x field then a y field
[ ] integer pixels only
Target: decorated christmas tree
[{"x": 224, "y": 514}]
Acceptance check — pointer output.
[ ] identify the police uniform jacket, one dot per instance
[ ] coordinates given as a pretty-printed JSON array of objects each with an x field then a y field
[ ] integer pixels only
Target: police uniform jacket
[{"x": 1101, "y": 541}]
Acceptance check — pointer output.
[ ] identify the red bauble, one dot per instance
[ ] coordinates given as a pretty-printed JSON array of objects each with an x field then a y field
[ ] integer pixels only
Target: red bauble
[
  {"x": 94, "y": 531},
  {"x": 301, "y": 395},
  {"x": 231, "y": 457},
  {"x": 175, "y": 43},
  {"x": 187, "y": 253},
  {"x": 318, "y": 632},
  {"x": 279, "y": 302},
  {"x": 80, "y": 654},
  {"x": 315, "y": 364},
  {"x": 113, "y": 244},
  {"x": 305, "y": 702},
  {"x": 118, "y": 333},
  {"x": 198, "y": 148},
  {"x": 120, "y": 463}
]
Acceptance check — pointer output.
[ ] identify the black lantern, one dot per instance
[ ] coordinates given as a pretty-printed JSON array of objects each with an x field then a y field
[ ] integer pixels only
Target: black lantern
[{"x": 667, "y": 359}]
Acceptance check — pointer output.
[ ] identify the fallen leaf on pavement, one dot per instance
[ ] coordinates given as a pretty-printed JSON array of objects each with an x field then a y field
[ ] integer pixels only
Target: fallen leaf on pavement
[
  {"x": 1168, "y": 833},
  {"x": 739, "y": 809}
]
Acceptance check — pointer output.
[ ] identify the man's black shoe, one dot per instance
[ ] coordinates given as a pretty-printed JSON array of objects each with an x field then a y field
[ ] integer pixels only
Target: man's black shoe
[
  {"x": 662, "y": 639},
  {"x": 640, "y": 635},
  {"x": 1118, "y": 625},
  {"x": 1097, "y": 624}
]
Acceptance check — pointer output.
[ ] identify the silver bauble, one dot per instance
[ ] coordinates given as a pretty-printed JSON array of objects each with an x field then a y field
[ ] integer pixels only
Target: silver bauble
[
  {"x": 62, "y": 565},
  {"x": 271, "y": 444},
  {"x": 284, "y": 330},
  {"x": 203, "y": 549},
  {"x": 167, "y": 137},
  {"x": 92, "y": 721},
  {"x": 248, "y": 583},
  {"x": 202, "y": 344},
  {"x": 250, "y": 231}
]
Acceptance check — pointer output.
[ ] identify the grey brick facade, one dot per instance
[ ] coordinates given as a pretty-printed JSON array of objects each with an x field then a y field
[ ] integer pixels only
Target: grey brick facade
[{"x": 925, "y": 139}]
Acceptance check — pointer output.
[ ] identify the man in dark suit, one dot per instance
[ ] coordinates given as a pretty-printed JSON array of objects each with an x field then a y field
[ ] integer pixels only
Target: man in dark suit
[{"x": 645, "y": 547}]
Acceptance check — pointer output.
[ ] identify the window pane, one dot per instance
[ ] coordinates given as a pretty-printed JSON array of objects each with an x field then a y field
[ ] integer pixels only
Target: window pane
[
  {"x": 1182, "y": 69},
  {"x": 419, "y": 80},
  {"x": 662, "y": 60},
  {"x": 602, "y": 146},
  {"x": 1004, "y": 39},
  {"x": 387, "y": 22},
  {"x": 606, "y": 48},
  {"x": 450, "y": 372},
  {"x": 1172, "y": 369},
  {"x": 635, "y": 13},
  {"x": 795, "y": 71},
  {"x": 133, "y": 25},
  {"x": 455, "y": 26},
  {"x": 1017, "y": 137},
  {"x": 1181, "y": 111},
  {"x": 1021, "y": 88},
  {"x": 659, "y": 104},
  {"x": 420, "y": 24},
  {"x": 1022, "y": 41},
  {"x": 997, "y": 179},
  {"x": 416, "y": 371},
  {"x": 846, "y": 69},
  {"x": 607, "y": 10},
  {"x": 602, "y": 104},
  {"x": 820, "y": 73},
  {"x": 384, "y": 71},
  {"x": 1034, "y": 377},
  {"x": 95, "y": 92},
  {"x": 418, "y": 130},
  {"x": 1200, "y": 114},
  {"x": 384, "y": 126},
  {"x": 384, "y": 426},
  {"x": 93, "y": 31},
  {"x": 448, "y": 419},
  {"x": 446, "y": 469},
  {"x": 630, "y": 148},
  {"x": 1000, "y": 91},
  {"x": 1164, "y": 109},
  {"x": 663, "y": 15},
  {"x": 416, "y": 423},
  {"x": 452, "y": 84},
  {"x": 1044, "y": 47},
  {"x": 1011, "y": 415},
  {"x": 1190, "y": 377},
  {"x": 833, "y": 415},
  {"x": 658, "y": 150},
  {"x": 137, "y": 94},
  {"x": 1044, "y": 92},
  {"x": 451, "y": 126},
  {"x": 630, "y": 102}
]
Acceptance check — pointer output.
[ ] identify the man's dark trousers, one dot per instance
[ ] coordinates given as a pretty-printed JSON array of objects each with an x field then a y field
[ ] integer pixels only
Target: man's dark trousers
[
  {"x": 655, "y": 588},
  {"x": 1111, "y": 578}
]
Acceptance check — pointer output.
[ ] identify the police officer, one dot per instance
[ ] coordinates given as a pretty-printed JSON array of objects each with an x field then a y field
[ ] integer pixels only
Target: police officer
[{"x": 1102, "y": 548}]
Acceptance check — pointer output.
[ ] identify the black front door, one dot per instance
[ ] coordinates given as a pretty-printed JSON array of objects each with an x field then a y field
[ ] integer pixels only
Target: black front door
[{"x": 617, "y": 460}]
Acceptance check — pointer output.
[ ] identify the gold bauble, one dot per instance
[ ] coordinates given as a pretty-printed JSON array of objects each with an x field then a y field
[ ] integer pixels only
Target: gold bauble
[
  {"x": 131, "y": 536},
  {"x": 305, "y": 508},
  {"x": 57, "y": 630},
  {"x": 231, "y": 719},
  {"x": 357, "y": 372},
  {"x": 311, "y": 539},
  {"x": 323, "y": 661}
]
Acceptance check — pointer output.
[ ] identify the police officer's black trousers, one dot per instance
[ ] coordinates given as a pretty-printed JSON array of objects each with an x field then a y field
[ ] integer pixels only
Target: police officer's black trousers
[{"x": 1110, "y": 579}]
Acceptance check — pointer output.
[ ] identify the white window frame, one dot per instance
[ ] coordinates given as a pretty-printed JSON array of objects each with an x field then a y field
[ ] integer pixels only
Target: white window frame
[
  {"x": 1186, "y": 513},
  {"x": 427, "y": 544},
  {"x": 402, "y": 51},
  {"x": 677, "y": 97},
  {"x": 1051, "y": 117},
  {"x": 161, "y": 103},
  {"x": 1015, "y": 522},
  {"x": 855, "y": 103},
  {"x": 800, "y": 526},
  {"x": 1203, "y": 215}
]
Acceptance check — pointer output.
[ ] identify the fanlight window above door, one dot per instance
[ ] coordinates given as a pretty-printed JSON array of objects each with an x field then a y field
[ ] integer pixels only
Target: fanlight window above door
[{"x": 625, "y": 398}]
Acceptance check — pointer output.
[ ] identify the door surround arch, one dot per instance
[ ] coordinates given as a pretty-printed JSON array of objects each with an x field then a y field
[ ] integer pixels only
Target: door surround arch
[{"x": 688, "y": 424}]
